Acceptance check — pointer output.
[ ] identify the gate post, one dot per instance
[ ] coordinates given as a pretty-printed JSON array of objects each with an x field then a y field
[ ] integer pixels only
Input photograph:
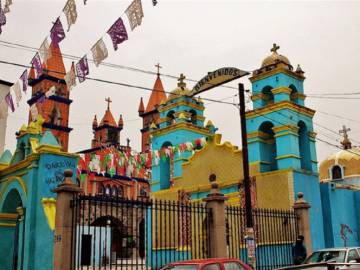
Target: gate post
[
  {"x": 63, "y": 222},
  {"x": 301, "y": 209},
  {"x": 215, "y": 201}
]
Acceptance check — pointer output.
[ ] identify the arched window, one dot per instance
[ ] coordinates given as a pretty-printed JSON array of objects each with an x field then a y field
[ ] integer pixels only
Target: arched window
[
  {"x": 143, "y": 192},
  {"x": 336, "y": 172},
  {"x": 193, "y": 116},
  {"x": 293, "y": 94},
  {"x": 55, "y": 116},
  {"x": 268, "y": 96},
  {"x": 165, "y": 169},
  {"x": 21, "y": 151},
  {"x": 171, "y": 118},
  {"x": 107, "y": 190},
  {"x": 114, "y": 191},
  {"x": 120, "y": 191},
  {"x": 304, "y": 146},
  {"x": 267, "y": 147}
]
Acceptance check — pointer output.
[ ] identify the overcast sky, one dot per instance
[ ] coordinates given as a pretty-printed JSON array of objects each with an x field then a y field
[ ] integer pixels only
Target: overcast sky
[{"x": 194, "y": 37}]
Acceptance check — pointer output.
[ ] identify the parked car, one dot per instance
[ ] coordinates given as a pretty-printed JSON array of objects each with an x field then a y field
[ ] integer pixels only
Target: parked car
[
  {"x": 336, "y": 255},
  {"x": 208, "y": 264}
]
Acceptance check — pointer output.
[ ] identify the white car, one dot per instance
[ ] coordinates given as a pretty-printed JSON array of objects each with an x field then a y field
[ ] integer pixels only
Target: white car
[{"x": 349, "y": 255}]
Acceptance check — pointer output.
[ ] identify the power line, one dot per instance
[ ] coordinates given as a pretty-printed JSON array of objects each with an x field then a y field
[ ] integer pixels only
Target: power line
[
  {"x": 116, "y": 66},
  {"x": 117, "y": 83},
  {"x": 135, "y": 69}
]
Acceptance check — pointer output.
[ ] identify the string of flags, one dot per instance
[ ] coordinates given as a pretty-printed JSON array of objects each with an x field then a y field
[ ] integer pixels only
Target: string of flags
[
  {"x": 117, "y": 33},
  {"x": 131, "y": 163}
]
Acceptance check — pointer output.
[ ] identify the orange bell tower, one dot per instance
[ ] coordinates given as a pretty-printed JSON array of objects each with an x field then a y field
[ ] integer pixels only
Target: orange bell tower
[
  {"x": 55, "y": 108},
  {"x": 150, "y": 115}
]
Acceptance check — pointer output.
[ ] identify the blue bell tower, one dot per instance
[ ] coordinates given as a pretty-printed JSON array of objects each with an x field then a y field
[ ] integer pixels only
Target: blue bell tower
[
  {"x": 280, "y": 131},
  {"x": 181, "y": 121}
]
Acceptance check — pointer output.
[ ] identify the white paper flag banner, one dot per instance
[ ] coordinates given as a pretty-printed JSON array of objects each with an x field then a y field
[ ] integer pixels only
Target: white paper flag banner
[
  {"x": 135, "y": 14},
  {"x": 70, "y": 13},
  {"x": 34, "y": 112},
  {"x": 3, "y": 109},
  {"x": 99, "y": 52},
  {"x": 8, "y": 3},
  {"x": 44, "y": 51},
  {"x": 17, "y": 91},
  {"x": 70, "y": 77},
  {"x": 50, "y": 92}
]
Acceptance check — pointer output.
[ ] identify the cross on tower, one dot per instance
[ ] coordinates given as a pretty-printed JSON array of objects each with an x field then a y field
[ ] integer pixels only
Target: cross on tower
[
  {"x": 346, "y": 142},
  {"x": 181, "y": 82},
  {"x": 108, "y": 100},
  {"x": 344, "y": 130},
  {"x": 275, "y": 48},
  {"x": 158, "y": 68}
]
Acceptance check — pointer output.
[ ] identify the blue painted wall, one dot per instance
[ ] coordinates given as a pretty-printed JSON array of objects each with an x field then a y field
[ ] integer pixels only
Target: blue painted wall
[{"x": 340, "y": 207}]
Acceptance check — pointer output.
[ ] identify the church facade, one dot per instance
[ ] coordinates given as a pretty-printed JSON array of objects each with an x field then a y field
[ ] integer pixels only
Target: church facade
[{"x": 281, "y": 143}]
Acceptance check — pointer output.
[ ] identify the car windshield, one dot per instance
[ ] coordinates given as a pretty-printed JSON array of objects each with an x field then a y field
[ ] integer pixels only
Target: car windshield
[
  {"x": 181, "y": 267},
  {"x": 325, "y": 256}
]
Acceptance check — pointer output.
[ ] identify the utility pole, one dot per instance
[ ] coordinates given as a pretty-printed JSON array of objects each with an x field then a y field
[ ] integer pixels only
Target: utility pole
[
  {"x": 249, "y": 237},
  {"x": 248, "y": 209}
]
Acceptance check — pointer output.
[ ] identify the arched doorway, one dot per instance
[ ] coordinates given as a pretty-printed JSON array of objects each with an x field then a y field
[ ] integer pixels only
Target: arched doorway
[
  {"x": 118, "y": 235},
  {"x": 11, "y": 235}
]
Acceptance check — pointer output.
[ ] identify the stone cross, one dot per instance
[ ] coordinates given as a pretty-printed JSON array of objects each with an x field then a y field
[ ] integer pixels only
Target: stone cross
[
  {"x": 108, "y": 100},
  {"x": 181, "y": 82},
  {"x": 158, "y": 68},
  {"x": 345, "y": 131},
  {"x": 275, "y": 48}
]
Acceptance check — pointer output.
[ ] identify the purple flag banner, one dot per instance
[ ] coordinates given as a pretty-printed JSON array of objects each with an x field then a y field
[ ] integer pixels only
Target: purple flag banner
[
  {"x": 10, "y": 102},
  {"x": 82, "y": 69},
  {"x": 24, "y": 79},
  {"x": 2, "y": 18},
  {"x": 57, "y": 33},
  {"x": 36, "y": 63},
  {"x": 117, "y": 33}
]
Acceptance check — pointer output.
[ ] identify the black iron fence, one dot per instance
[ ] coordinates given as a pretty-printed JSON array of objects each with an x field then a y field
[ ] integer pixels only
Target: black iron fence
[
  {"x": 275, "y": 232},
  {"x": 115, "y": 233}
]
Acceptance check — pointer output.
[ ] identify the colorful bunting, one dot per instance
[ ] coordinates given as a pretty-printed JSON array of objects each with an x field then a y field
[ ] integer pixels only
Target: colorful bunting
[
  {"x": 135, "y": 14},
  {"x": 36, "y": 63},
  {"x": 117, "y": 33},
  {"x": 70, "y": 13},
  {"x": 57, "y": 33},
  {"x": 2, "y": 18},
  {"x": 24, "y": 79},
  {"x": 34, "y": 112},
  {"x": 17, "y": 91},
  {"x": 82, "y": 69},
  {"x": 132, "y": 163},
  {"x": 70, "y": 77},
  {"x": 44, "y": 51},
  {"x": 10, "y": 102},
  {"x": 99, "y": 52}
]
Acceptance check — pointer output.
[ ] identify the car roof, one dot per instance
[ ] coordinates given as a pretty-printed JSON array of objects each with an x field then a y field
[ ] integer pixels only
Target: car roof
[
  {"x": 202, "y": 261},
  {"x": 335, "y": 249}
]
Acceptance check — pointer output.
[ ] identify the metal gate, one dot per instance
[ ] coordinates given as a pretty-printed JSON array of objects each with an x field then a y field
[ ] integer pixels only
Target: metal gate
[
  {"x": 115, "y": 233},
  {"x": 275, "y": 233}
]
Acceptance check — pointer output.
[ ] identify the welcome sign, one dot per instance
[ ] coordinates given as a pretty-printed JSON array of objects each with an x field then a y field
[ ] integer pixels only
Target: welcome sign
[{"x": 216, "y": 78}]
